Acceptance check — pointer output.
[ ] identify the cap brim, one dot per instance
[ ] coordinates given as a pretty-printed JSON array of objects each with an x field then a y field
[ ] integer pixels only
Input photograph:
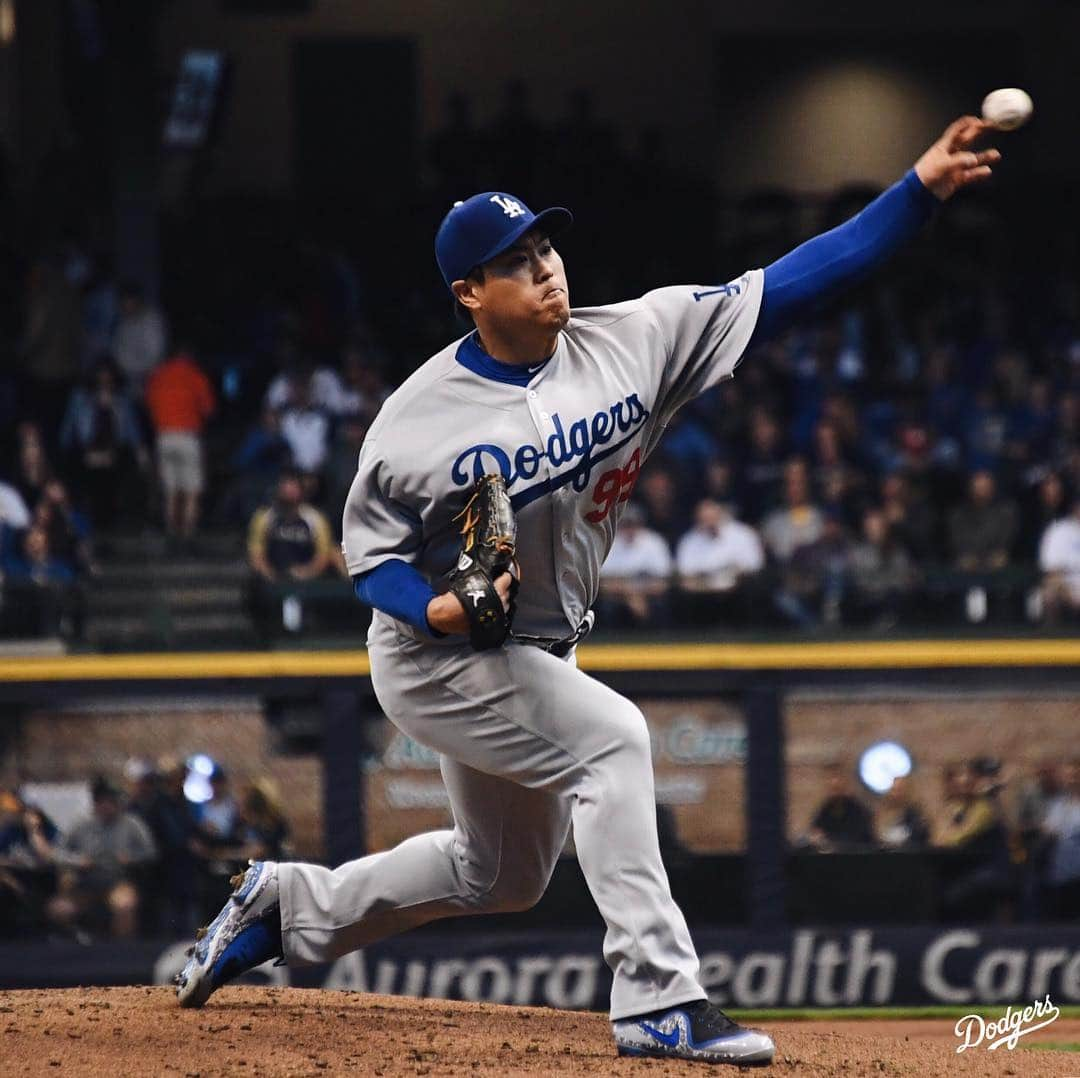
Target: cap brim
[{"x": 551, "y": 222}]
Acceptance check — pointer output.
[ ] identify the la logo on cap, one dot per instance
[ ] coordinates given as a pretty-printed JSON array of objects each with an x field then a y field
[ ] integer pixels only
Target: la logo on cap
[{"x": 509, "y": 206}]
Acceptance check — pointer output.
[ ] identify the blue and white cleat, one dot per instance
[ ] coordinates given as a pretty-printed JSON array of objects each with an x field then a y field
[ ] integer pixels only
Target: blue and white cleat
[
  {"x": 696, "y": 1031},
  {"x": 246, "y": 933}
]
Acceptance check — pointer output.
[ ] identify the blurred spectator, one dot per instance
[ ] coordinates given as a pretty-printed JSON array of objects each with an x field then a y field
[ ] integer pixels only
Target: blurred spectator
[
  {"x": 32, "y": 468},
  {"x": 947, "y": 397},
  {"x": 216, "y": 838},
  {"x": 880, "y": 572},
  {"x": 910, "y": 518},
  {"x": 217, "y": 818},
  {"x": 1030, "y": 424},
  {"x": 953, "y": 795},
  {"x": 104, "y": 444},
  {"x": 798, "y": 522},
  {"x": 716, "y": 556},
  {"x": 141, "y": 795},
  {"x": 178, "y": 842},
  {"x": 363, "y": 389},
  {"x": 38, "y": 565},
  {"x": 27, "y": 835},
  {"x": 27, "y": 839},
  {"x": 255, "y": 467},
  {"x": 289, "y": 543},
  {"x": 634, "y": 578},
  {"x": 658, "y": 496},
  {"x": 103, "y": 859},
  {"x": 718, "y": 549},
  {"x": 290, "y": 540},
  {"x": 901, "y": 823},
  {"x": 68, "y": 530},
  {"x": 813, "y": 582},
  {"x": 1062, "y": 825},
  {"x": 763, "y": 467},
  {"x": 319, "y": 387},
  {"x": 305, "y": 426},
  {"x": 968, "y": 810},
  {"x": 262, "y": 827},
  {"x": 264, "y": 451},
  {"x": 834, "y": 475},
  {"x": 918, "y": 455},
  {"x": 140, "y": 339},
  {"x": 839, "y": 493},
  {"x": 842, "y": 821},
  {"x": 40, "y": 588},
  {"x": 180, "y": 400},
  {"x": 986, "y": 429},
  {"x": 982, "y": 529},
  {"x": 1047, "y": 503},
  {"x": 147, "y": 800},
  {"x": 720, "y": 483},
  {"x": 1035, "y": 797},
  {"x": 1059, "y": 560},
  {"x": 973, "y": 825},
  {"x": 839, "y": 410}
]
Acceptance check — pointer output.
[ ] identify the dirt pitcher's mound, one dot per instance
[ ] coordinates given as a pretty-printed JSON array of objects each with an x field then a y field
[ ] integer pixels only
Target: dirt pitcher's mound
[{"x": 291, "y": 1031}]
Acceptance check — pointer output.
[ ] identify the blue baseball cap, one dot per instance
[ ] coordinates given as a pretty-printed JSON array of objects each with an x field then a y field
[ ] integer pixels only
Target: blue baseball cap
[{"x": 481, "y": 227}]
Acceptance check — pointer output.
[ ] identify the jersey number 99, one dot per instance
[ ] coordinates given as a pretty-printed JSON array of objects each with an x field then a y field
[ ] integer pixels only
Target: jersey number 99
[{"x": 614, "y": 486}]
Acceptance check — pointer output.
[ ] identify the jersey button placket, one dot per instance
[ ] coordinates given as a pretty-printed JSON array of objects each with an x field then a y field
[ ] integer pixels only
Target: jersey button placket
[{"x": 560, "y": 532}]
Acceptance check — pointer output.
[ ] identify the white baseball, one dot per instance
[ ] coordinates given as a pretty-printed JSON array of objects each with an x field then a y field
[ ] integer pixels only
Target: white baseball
[{"x": 1007, "y": 109}]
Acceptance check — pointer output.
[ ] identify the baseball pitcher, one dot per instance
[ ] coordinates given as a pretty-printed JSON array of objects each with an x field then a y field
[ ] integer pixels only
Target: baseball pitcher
[{"x": 487, "y": 495}]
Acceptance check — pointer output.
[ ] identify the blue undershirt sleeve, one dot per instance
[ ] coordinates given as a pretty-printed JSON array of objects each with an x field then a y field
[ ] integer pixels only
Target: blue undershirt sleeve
[
  {"x": 397, "y": 589},
  {"x": 803, "y": 278}
]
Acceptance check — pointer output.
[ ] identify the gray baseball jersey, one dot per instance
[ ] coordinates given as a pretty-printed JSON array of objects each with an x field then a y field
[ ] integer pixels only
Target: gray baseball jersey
[{"x": 569, "y": 445}]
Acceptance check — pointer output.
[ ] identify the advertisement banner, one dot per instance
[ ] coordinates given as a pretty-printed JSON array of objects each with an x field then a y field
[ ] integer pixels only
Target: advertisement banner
[
  {"x": 856, "y": 967},
  {"x": 699, "y": 760}
]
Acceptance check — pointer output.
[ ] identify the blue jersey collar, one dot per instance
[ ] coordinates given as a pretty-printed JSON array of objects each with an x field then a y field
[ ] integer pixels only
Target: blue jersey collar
[{"x": 475, "y": 359}]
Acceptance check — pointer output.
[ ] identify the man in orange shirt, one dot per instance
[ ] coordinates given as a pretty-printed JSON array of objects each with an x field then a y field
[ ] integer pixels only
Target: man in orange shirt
[{"x": 180, "y": 399}]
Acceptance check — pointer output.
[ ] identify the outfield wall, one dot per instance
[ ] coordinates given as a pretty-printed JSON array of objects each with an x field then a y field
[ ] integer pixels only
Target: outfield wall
[
  {"x": 741, "y": 731},
  {"x": 699, "y": 749}
]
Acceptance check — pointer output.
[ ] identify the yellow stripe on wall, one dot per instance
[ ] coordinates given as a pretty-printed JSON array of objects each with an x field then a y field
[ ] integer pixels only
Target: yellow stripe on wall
[
  {"x": 183, "y": 665},
  {"x": 882, "y": 655}
]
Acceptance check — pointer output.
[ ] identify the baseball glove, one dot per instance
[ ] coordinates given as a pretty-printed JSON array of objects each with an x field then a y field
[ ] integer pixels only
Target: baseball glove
[{"x": 488, "y": 544}]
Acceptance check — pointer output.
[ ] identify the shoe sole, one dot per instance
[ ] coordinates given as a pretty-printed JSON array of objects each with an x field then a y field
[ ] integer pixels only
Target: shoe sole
[{"x": 655, "y": 1053}]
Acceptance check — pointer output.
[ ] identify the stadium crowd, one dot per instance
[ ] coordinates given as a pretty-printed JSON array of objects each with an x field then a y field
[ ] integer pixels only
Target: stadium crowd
[
  {"x": 1017, "y": 850},
  {"x": 146, "y": 860},
  {"x": 912, "y": 457}
]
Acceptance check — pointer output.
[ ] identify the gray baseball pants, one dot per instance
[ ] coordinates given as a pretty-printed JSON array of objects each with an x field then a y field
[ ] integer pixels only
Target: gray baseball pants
[{"x": 530, "y": 745}]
